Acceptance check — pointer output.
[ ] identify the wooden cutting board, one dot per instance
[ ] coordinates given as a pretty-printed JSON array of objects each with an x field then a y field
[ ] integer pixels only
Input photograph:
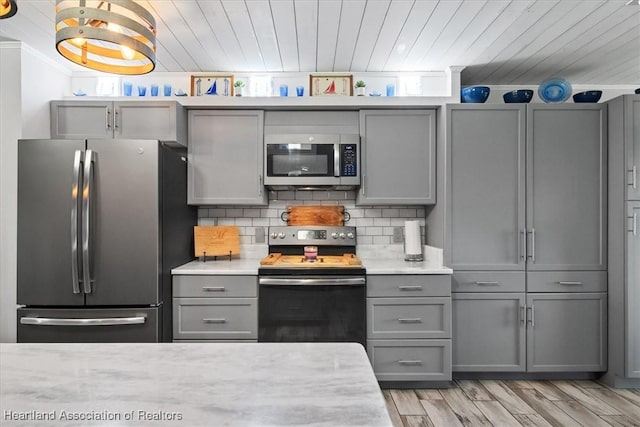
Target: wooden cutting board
[
  {"x": 315, "y": 215},
  {"x": 279, "y": 260},
  {"x": 216, "y": 240}
]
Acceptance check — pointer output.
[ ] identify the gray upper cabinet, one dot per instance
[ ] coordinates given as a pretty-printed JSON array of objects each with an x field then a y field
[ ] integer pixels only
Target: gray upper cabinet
[
  {"x": 486, "y": 186},
  {"x": 632, "y": 138},
  {"x": 225, "y": 157},
  {"x": 161, "y": 120},
  {"x": 633, "y": 291},
  {"x": 398, "y": 157},
  {"x": 567, "y": 187},
  {"x": 556, "y": 338}
]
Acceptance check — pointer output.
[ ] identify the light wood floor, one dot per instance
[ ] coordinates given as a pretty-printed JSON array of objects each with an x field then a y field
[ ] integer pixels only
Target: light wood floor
[{"x": 515, "y": 403}]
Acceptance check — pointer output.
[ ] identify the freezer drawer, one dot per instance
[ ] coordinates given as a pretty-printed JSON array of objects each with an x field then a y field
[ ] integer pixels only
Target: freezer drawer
[{"x": 89, "y": 325}]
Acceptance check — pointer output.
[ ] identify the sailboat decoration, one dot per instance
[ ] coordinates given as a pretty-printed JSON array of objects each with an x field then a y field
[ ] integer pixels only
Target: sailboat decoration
[
  {"x": 213, "y": 90},
  {"x": 331, "y": 89}
]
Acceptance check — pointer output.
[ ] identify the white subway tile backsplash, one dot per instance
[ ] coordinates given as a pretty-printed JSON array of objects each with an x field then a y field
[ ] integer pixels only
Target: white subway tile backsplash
[
  {"x": 382, "y": 221},
  {"x": 373, "y": 212},
  {"x": 245, "y": 222},
  {"x": 374, "y": 224}
]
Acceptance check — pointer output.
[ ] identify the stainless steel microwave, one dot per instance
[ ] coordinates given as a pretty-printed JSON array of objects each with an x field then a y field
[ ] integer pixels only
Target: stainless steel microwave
[{"x": 312, "y": 160}]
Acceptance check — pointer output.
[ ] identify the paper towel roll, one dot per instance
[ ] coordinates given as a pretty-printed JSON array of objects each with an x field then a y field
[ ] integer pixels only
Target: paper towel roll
[{"x": 412, "y": 241}]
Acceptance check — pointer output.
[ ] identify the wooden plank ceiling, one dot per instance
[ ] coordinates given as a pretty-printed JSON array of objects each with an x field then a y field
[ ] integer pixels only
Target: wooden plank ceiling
[{"x": 498, "y": 41}]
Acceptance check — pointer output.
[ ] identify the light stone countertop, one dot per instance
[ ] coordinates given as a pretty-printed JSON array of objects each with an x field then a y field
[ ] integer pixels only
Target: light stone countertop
[
  {"x": 389, "y": 259},
  {"x": 376, "y": 259},
  {"x": 171, "y": 384}
]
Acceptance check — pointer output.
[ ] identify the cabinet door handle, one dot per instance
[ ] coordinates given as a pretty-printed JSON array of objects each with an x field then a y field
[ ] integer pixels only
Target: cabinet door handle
[
  {"x": 634, "y": 177},
  {"x": 522, "y": 314},
  {"x": 108, "y": 118},
  {"x": 260, "y": 186},
  {"x": 487, "y": 283},
  {"x": 410, "y": 362},
  {"x": 222, "y": 320},
  {"x": 116, "y": 117},
  {"x": 410, "y": 287},
  {"x": 213, "y": 288},
  {"x": 364, "y": 179},
  {"x": 410, "y": 320},
  {"x": 533, "y": 316},
  {"x": 530, "y": 315},
  {"x": 523, "y": 244},
  {"x": 634, "y": 224},
  {"x": 570, "y": 283},
  {"x": 533, "y": 245}
]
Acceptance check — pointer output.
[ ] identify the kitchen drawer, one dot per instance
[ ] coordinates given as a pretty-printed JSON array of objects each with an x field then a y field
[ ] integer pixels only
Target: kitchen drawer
[
  {"x": 213, "y": 286},
  {"x": 409, "y": 317},
  {"x": 410, "y": 360},
  {"x": 215, "y": 318},
  {"x": 488, "y": 281},
  {"x": 418, "y": 285},
  {"x": 567, "y": 281}
]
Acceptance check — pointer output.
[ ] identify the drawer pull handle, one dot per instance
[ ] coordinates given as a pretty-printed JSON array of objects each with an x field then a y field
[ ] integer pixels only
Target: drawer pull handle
[
  {"x": 410, "y": 288},
  {"x": 215, "y": 320},
  {"x": 487, "y": 283},
  {"x": 410, "y": 362},
  {"x": 411, "y": 320},
  {"x": 570, "y": 283},
  {"x": 213, "y": 288}
]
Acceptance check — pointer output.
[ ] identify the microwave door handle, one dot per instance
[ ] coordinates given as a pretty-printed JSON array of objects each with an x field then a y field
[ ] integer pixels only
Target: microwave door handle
[{"x": 336, "y": 160}]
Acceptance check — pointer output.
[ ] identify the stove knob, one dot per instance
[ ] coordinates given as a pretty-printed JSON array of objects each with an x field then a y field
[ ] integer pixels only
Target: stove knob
[
  {"x": 350, "y": 235},
  {"x": 273, "y": 235},
  {"x": 342, "y": 235},
  {"x": 281, "y": 235},
  {"x": 334, "y": 235}
]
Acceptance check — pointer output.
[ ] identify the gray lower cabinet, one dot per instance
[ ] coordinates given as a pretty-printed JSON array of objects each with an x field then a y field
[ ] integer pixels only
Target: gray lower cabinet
[
  {"x": 489, "y": 332},
  {"x": 409, "y": 327},
  {"x": 215, "y": 308},
  {"x": 567, "y": 332},
  {"x": 161, "y": 120},
  {"x": 398, "y": 157},
  {"x": 225, "y": 157}
]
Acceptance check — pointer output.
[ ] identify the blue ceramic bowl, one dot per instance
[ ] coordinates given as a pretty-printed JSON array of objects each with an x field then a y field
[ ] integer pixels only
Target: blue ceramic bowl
[
  {"x": 518, "y": 96},
  {"x": 638, "y": 91},
  {"x": 554, "y": 90},
  {"x": 474, "y": 94},
  {"x": 588, "y": 96}
]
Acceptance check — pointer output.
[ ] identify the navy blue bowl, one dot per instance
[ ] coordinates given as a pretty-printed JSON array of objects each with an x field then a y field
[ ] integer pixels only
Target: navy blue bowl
[
  {"x": 474, "y": 94},
  {"x": 588, "y": 96},
  {"x": 518, "y": 96},
  {"x": 638, "y": 91}
]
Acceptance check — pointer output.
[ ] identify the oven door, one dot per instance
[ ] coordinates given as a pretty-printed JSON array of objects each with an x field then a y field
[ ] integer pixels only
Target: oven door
[
  {"x": 312, "y": 309},
  {"x": 301, "y": 159}
]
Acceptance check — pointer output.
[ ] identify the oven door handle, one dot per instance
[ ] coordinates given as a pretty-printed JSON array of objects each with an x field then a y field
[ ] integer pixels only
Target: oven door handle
[{"x": 334, "y": 281}]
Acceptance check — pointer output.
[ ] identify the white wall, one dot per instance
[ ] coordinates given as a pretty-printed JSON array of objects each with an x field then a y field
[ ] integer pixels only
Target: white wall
[{"x": 27, "y": 83}]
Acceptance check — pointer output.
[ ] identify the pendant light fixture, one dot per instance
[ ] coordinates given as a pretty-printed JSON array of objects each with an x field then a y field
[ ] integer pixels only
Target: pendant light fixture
[
  {"x": 8, "y": 8},
  {"x": 117, "y": 36}
]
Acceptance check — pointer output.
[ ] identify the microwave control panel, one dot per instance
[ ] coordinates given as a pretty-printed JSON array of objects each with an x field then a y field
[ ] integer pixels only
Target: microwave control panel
[{"x": 348, "y": 160}]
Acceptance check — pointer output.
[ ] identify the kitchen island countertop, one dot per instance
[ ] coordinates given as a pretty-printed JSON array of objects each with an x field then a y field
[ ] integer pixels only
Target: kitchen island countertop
[{"x": 280, "y": 384}]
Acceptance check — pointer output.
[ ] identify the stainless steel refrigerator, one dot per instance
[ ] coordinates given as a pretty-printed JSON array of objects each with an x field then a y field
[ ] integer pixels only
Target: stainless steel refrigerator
[{"x": 100, "y": 225}]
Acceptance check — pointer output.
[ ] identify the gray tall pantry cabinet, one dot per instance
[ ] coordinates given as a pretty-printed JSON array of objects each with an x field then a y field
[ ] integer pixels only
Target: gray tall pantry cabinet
[
  {"x": 624, "y": 242},
  {"x": 526, "y": 236}
]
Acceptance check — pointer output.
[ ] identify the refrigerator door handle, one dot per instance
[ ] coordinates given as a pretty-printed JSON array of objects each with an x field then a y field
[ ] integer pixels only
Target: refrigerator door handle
[
  {"x": 108, "y": 321},
  {"x": 87, "y": 188},
  {"x": 75, "y": 187}
]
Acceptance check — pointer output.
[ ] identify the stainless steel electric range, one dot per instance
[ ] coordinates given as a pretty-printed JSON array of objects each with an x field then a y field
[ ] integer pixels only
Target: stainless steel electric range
[{"x": 312, "y": 286}]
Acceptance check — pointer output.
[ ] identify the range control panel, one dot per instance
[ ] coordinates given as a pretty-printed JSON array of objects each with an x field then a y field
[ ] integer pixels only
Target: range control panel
[{"x": 312, "y": 235}]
